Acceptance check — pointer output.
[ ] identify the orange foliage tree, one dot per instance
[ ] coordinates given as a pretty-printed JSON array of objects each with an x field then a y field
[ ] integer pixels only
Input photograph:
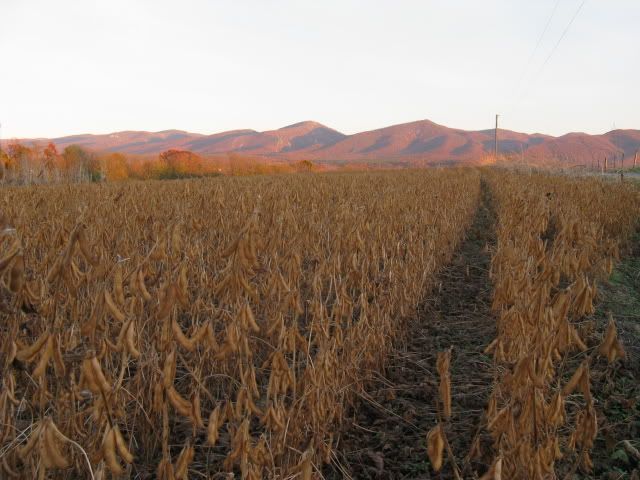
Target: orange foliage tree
[
  {"x": 79, "y": 164},
  {"x": 114, "y": 166}
]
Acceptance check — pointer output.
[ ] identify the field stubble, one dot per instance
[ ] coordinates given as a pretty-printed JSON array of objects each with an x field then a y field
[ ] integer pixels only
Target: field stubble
[
  {"x": 252, "y": 326},
  {"x": 553, "y": 395},
  {"x": 198, "y": 327}
]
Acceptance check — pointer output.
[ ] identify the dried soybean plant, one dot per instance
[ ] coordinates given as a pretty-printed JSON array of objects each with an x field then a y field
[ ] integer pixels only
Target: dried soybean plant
[
  {"x": 220, "y": 325},
  {"x": 437, "y": 437},
  {"x": 556, "y": 237}
]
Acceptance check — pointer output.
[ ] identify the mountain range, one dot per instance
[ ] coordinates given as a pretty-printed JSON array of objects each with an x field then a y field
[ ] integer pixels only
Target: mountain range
[{"x": 423, "y": 141}]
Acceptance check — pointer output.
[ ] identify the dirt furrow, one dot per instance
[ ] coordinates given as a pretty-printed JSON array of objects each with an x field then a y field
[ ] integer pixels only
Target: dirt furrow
[{"x": 386, "y": 436}]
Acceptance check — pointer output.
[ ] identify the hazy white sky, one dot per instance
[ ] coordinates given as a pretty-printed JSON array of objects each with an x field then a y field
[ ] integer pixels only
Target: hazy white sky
[{"x": 88, "y": 66}]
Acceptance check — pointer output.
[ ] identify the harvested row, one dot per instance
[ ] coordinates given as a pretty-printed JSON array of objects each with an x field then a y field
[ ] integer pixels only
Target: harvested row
[
  {"x": 555, "y": 238},
  {"x": 208, "y": 326},
  {"x": 385, "y": 437}
]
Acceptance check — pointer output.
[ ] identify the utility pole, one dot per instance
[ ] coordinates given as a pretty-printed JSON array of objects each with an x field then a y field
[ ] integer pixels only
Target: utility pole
[
  {"x": 605, "y": 164},
  {"x": 495, "y": 149}
]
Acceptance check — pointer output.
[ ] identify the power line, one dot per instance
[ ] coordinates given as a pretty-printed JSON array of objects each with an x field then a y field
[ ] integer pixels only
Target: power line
[
  {"x": 535, "y": 49},
  {"x": 555, "y": 47},
  {"x": 553, "y": 50}
]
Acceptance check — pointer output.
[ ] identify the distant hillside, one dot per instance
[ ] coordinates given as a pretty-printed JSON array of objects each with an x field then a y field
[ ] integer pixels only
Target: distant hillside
[{"x": 423, "y": 140}]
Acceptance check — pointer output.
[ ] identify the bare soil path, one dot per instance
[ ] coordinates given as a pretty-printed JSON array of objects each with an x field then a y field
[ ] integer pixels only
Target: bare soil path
[{"x": 386, "y": 438}]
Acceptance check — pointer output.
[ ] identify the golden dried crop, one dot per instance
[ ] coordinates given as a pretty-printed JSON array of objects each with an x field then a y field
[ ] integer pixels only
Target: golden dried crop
[
  {"x": 556, "y": 236},
  {"x": 267, "y": 302}
]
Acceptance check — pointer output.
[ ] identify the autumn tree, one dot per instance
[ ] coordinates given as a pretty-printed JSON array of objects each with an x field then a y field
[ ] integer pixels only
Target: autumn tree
[
  {"x": 304, "y": 166},
  {"x": 50, "y": 159},
  {"x": 115, "y": 167},
  {"x": 180, "y": 164},
  {"x": 17, "y": 163},
  {"x": 18, "y": 155},
  {"x": 79, "y": 164},
  {"x": 4, "y": 163},
  {"x": 50, "y": 155}
]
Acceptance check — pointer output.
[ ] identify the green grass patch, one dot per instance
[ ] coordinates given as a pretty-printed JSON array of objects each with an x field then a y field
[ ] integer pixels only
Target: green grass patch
[
  {"x": 617, "y": 387},
  {"x": 621, "y": 296}
]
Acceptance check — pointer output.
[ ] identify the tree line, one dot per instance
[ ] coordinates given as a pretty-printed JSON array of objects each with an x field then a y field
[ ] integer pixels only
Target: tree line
[{"x": 33, "y": 164}]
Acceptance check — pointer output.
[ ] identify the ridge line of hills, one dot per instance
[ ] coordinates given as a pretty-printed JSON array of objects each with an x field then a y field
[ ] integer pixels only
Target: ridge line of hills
[{"x": 421, "y": 140}]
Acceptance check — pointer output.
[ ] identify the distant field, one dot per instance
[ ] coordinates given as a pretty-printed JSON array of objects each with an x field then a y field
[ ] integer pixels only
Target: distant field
[{"x": 300, "y": 326}]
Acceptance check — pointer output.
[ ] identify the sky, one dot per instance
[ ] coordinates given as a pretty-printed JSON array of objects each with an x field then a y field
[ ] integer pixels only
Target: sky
[{"x": 87, "y": 66}]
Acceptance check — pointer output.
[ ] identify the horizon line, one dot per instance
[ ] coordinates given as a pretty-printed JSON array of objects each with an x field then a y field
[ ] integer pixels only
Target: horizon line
[{"x": 40, "y": 137}]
